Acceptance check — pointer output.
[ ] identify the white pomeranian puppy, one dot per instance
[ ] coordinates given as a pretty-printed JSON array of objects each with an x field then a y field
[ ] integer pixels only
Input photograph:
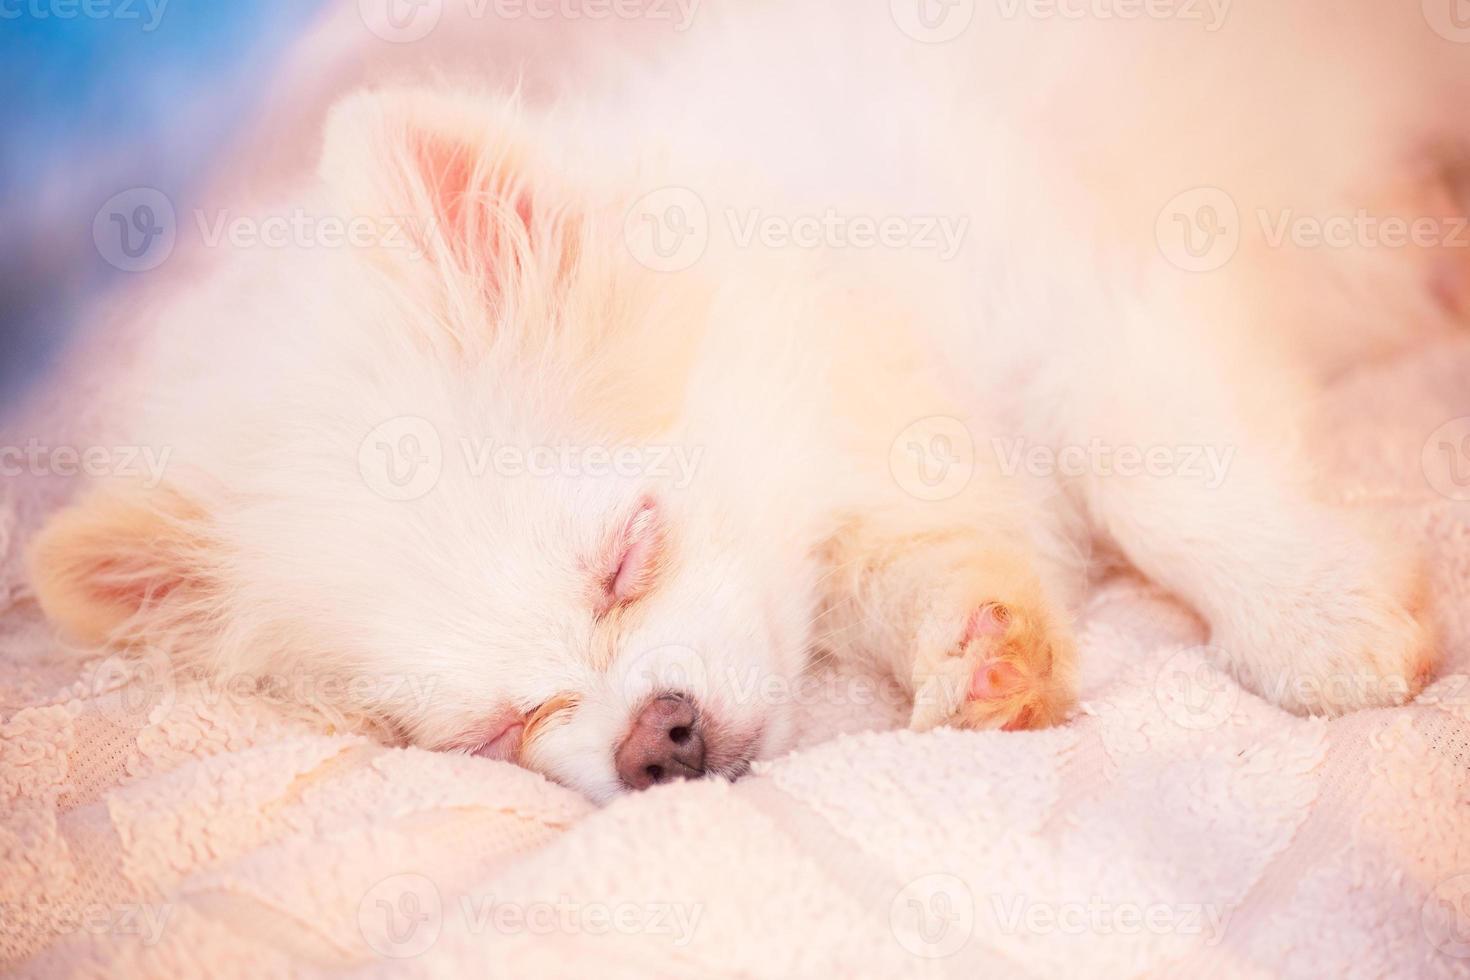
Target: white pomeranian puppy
[{"x": 857, "y": 328}]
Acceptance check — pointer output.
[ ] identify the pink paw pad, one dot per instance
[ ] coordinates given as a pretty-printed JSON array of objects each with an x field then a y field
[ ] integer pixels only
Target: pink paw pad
[
  {"x": 989, "y": 620},
  {"x": 995, "y": 680}
]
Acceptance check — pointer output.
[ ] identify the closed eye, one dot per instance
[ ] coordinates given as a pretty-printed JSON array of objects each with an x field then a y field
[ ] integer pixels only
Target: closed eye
[{"x": 636, "y": 556}]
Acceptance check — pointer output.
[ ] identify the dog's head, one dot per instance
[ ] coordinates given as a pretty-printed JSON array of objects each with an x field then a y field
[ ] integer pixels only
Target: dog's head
[{"x": 485, "y": 466}]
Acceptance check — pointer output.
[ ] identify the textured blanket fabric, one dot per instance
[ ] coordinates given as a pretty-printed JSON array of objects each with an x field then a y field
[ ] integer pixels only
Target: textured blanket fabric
[{"x": 1178, "y": 826}]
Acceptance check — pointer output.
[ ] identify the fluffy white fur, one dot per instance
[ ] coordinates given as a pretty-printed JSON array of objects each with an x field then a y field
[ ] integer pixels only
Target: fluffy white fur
[{"x": 521, "y": 318}]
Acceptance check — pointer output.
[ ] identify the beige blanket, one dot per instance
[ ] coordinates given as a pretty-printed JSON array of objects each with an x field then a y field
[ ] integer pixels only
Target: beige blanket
[{"x": 1178, "y": 826}]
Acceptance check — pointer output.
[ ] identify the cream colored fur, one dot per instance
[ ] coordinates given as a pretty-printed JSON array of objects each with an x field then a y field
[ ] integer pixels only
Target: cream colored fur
[{"x": 521, "y": 316}]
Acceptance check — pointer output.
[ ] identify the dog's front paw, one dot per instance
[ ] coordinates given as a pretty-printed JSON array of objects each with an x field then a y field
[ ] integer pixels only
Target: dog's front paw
[
  {"x": 1005, "y": 665},
  {"x": 1331, "y": 646}
]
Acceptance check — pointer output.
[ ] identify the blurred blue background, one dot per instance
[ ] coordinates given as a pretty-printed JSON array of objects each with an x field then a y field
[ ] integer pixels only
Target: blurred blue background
[{"x": 102, "y": 96}]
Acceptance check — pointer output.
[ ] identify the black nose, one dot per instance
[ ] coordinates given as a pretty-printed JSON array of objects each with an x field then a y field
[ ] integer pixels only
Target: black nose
[{"x": 664, "y": 743}]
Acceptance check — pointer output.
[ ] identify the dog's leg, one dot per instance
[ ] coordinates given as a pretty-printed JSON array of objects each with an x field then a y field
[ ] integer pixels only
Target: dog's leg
[
  {"x": 959, "y": 616},
  {"x": 1310, "y": 608}
]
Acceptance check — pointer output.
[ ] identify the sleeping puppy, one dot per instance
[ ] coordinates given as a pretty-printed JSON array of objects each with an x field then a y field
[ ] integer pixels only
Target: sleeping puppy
[{"x": 818, "y": 337}]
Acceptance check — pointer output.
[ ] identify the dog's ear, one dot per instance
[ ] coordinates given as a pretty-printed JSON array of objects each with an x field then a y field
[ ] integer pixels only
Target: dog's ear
[
  {"x": 117, "y": 555},
  {"x": 453, "y": 178}
]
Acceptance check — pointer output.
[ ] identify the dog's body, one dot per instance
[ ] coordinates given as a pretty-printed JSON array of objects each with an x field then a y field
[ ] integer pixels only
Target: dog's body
[{"x": 863, "y": 421}]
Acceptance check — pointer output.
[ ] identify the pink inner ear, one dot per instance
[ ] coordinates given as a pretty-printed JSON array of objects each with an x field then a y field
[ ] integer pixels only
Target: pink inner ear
[
  {"x": 456, "y": 184},
  {"x": 444, "y": 167},
  {"x": 127, "y": 582},
  {"x": 99, "y": 563}
]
